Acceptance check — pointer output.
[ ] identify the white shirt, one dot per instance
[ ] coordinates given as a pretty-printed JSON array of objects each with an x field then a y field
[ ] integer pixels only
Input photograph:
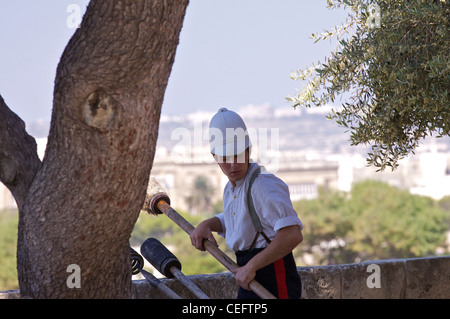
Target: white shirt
[{"x": 272, "y": 203}]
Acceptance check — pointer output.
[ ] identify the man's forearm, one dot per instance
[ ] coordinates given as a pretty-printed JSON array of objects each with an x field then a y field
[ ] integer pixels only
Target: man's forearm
[
  {"x": 283, "y": 243},
  {"x": 214, "y": 224}
]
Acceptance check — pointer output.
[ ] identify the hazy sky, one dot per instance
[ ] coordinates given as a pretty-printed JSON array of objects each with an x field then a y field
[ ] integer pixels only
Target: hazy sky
[{"x": 232, "y": 53}]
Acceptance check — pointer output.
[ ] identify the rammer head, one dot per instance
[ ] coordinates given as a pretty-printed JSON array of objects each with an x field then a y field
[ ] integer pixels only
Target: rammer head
[{"x": 155, "y": 193}]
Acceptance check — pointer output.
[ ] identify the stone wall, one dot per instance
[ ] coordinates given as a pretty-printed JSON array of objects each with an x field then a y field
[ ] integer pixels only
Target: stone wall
[{"x": 382, "y": 279}]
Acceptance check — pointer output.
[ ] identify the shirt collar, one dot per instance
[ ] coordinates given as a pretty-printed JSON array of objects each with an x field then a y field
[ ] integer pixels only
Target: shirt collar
[{"x": 251, "y": 168}]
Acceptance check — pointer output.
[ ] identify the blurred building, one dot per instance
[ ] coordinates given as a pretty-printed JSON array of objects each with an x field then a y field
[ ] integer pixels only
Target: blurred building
[
  {"x": 304, "y": 178},
  {"x": 306, "y": 151}
]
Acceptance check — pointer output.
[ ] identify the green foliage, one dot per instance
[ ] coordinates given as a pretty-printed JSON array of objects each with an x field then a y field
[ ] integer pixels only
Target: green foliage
[
  {"x": 325, "y": 226},
  {"x": 8, "y": 247},
  {"x": 444, "y": 203},
  {"x": 395, "y": 67},
  {"x": 375, "y": 221},
  {"x": 392, "y": 222}
]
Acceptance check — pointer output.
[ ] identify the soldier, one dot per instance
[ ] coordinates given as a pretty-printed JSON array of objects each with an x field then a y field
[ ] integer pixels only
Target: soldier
[{"x": 258, "y": 220}]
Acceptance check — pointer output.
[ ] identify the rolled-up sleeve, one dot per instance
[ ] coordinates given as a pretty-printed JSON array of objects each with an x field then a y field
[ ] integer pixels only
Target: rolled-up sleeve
[
  {"x": 287, "y": 221},
  {"x": 222, "y": 221}
]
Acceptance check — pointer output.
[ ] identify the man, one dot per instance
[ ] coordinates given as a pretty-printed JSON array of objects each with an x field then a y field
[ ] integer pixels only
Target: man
[{"x": 265, "y": 253}]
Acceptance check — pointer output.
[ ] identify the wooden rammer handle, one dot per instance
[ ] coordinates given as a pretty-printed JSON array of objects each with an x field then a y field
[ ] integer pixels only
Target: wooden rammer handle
[{"x": 256, "y": 287}]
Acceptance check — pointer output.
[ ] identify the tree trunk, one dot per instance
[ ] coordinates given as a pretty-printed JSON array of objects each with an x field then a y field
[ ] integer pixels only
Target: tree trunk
[
  {"x": 19, "y": 160},
  {"x": 79, "y": 212}
]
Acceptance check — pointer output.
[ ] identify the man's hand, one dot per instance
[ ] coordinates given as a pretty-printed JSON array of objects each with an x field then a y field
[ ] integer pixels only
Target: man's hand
[
  {"x": 244, "y": 275},
  {"x": 201, "y": 232},
  {"x": 283, "y": 243}
]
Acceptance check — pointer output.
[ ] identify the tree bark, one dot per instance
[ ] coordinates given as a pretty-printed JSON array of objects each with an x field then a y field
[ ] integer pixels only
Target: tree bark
[
  {"x": 19, "y": 161},
  {"x": 85, "y": 199}
]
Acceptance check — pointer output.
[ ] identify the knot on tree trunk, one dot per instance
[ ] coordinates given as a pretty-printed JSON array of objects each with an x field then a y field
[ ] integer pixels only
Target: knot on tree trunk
[{"x": 99, "y": 110}]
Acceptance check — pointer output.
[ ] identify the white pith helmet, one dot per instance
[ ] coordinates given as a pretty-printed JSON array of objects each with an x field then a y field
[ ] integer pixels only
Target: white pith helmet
[{"x": 228, "y": 134}]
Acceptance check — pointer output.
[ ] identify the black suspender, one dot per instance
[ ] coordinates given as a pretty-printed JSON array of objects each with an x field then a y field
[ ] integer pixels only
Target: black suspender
[{"x": 251, "y": 208}]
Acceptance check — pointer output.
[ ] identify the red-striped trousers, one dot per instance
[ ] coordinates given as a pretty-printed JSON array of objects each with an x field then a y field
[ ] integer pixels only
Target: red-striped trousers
[{"x": 281, "y": 278}]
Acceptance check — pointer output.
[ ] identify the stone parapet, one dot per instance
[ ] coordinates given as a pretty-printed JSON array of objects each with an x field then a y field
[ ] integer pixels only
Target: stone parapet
[
  {"x": 378, "y": 279},
  {"x": 388, "y": 279},
  {"x": 416, "y": 278}
]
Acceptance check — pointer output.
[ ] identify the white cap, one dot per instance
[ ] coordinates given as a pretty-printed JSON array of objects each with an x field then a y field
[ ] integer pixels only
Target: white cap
[{"x": 228, "y": 134}]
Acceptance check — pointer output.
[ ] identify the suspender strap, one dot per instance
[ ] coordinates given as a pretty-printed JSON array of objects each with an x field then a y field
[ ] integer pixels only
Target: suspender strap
[{"x": 251, "y": 207}]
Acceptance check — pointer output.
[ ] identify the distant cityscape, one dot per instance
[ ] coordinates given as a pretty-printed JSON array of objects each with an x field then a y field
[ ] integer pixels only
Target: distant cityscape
[{"x": 300, "y": 146}]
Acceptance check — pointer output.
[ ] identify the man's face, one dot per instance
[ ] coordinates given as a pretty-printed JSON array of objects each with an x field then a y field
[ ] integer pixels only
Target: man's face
[{"x": 234, "y": 167}]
